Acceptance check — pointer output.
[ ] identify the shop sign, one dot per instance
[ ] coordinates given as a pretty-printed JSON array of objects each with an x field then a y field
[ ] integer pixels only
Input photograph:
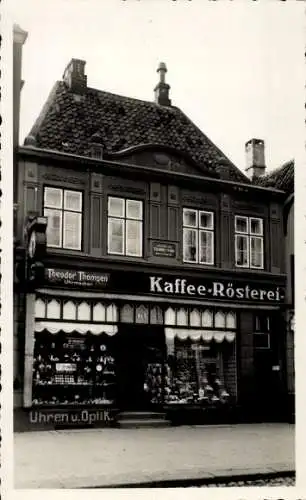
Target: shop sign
[
  {"x": 215, "y": 290},
  {"x": 129, "y": 282},
  {"x": 84, "y": 279},
  {"x": 161, "y": 249},
  {"x": 196, "y": 347},
  {"x": 46, "y": 417}
]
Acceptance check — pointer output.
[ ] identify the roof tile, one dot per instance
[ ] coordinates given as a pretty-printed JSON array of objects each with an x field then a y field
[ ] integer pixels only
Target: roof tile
[
  {"x": 67, "y": 124},
  {"x": 279, "y": 178}
]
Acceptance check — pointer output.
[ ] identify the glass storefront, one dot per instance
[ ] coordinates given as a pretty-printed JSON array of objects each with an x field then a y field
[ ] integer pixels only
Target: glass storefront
[
  {"x": 200, "y": 373},
  {"x": 132, "y": 356}
]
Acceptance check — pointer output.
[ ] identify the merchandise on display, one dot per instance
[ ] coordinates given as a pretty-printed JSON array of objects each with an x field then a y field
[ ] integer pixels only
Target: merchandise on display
[{"x": 73, "y": 371}]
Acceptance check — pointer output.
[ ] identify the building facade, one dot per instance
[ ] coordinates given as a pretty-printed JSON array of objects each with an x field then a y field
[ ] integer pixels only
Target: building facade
[
  {"x": 150, "y": 271},
  {"x": 19, "y": 39},
  {"x": 283, "y": 178}
]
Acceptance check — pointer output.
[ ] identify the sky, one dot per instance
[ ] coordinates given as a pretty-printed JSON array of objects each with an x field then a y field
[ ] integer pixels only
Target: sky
[{"x": 235, "y": 68}]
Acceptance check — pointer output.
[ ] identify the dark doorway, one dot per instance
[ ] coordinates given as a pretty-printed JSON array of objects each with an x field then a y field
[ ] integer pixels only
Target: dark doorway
[
  {"x": 137, "y": 347},
  {"x": 268, "y": 392}
]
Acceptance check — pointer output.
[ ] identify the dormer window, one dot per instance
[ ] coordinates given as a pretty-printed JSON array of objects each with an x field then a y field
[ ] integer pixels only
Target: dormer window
[{"x": 96, "y": 152}]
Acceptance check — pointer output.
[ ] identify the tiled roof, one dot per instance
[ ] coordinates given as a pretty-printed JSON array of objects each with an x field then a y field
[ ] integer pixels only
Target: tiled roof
[
  {"x": 68, "y": 121},
  {"x": 280, "y": 178}
]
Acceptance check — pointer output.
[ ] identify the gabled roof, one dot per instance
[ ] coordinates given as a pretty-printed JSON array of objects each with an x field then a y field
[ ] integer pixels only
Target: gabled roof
[
  {"x": 68, "y": 121},
  {"x": 280, "y": 178}
]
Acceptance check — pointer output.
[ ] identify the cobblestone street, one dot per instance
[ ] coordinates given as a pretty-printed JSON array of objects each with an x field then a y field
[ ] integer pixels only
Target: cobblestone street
[
  {"x": 278, "y": 481},
  {"x": 56, "y": 459}
]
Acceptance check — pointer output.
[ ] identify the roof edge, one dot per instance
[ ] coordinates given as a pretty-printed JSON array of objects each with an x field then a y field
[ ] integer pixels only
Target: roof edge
[
  {"x": 169, "y": 149},
  {"x": 44, "y": 110},
  {"x": 59, "y": 155}
]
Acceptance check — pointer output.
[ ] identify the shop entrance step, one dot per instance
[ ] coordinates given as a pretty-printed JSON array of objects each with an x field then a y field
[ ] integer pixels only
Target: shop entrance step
[{"x": 136, "y": 419}]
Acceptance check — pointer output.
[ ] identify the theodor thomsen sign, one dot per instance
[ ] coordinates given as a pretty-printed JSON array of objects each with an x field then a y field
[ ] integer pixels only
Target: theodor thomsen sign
[{"x": 215, "y": 289}]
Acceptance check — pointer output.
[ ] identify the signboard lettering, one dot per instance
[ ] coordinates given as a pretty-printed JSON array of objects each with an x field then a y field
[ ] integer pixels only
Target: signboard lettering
[
  {"x": 215, "y": 289},
  {"x": 203, "y": 288},
  {"x": 161, "y": 249},
  {"x": 79, "y": 278}
]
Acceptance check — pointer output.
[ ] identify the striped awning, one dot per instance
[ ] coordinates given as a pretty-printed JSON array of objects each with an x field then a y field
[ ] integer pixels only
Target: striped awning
[
  {"x": 82, "y": 328},
  {"x": 206, "y": 335}
]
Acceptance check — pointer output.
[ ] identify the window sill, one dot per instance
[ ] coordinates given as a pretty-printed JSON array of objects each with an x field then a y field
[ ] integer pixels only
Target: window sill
[
  {"x": 61, "y": 251},
  {"x": 198, "y": 265},
  {"x": 248, "y": 268}
]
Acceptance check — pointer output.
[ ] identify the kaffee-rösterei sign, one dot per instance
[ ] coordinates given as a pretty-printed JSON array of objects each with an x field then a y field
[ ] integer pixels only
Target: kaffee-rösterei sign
[
  {"x": 215, "y": 289},
  {"x": 129, "y": 282}
]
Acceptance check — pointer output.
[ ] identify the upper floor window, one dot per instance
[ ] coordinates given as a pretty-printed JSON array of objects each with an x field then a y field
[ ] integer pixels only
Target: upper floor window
[
  {"x": 125, "y": 227},
  {"x": 198, "y": 236},
  {"x": 64, "y": 211},
  {"x": 249, "y": 245}
]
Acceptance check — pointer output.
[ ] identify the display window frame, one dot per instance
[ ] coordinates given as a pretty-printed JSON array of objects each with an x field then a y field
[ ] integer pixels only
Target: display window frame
[{"x": 73, "y": 370}]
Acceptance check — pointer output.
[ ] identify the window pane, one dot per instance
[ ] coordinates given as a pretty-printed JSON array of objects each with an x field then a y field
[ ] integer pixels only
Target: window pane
[
  {"x": 73, "y": 201},
  {"x": 190, "y": 217},
  {"x": 115, "y": 236},
  {"x": 190, "y": 245},
  {"x": 116, "y": 207},
  {"x": 256, "y": 252},
  {"x": 206, "y": 247},
  {"x": 134, "y": 209},
  {"x": 72, "y": 230},
  {"x": 206, "y": 220},
  {"x": 54, "y": 227},
  {"x": 53, "y": 198},
  {"x": 242, "y": 250},
  {"x": 241, "y": 224},
  {"x": 256, "y": 226},
  {"x": 133, "y": 238}
]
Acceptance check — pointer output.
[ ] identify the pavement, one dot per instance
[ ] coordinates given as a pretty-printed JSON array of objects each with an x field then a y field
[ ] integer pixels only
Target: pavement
[{"x": 94, "y": 458}]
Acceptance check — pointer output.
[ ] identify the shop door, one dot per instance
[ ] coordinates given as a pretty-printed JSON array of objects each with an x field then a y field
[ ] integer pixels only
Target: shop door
[
  {"x": 135, "y": 345},
  {"x": 267, "y": 386}
]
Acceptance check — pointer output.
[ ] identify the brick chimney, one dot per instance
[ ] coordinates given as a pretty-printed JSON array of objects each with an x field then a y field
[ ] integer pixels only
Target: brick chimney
[
  {"x": 255, "y": 158},
  {"x": 162, "y": 88},
  {"x": 74, "y": 76}
]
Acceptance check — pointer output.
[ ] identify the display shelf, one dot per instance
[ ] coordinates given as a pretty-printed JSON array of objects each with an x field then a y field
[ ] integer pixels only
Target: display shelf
[
  {"x": 65, "y": 384},
  {"x": 71, "y": 368}
]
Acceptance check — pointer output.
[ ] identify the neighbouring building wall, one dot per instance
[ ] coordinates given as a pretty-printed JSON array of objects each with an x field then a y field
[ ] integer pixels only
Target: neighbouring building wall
[{"x": 289, "y": 242}]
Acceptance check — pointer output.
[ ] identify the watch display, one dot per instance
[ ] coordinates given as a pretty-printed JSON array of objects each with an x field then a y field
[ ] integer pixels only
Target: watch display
[{"x": 75, "y": 371}]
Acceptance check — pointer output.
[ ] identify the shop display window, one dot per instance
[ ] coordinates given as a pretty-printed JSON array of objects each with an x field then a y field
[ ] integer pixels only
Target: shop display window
[
  {"x": 194, "y": 374},
  {"x": 78, "y": 369}
]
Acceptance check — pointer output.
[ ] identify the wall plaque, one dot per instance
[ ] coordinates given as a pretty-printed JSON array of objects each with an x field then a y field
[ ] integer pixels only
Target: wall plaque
[{"x": 161, "y": 249}]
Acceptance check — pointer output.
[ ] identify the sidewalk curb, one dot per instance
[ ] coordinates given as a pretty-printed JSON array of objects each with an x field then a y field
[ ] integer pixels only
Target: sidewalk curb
[{"x": 226, "y": 476}]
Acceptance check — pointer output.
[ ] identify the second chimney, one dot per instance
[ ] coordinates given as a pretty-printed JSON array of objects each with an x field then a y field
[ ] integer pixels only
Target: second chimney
[
  {"x": 74, "y": 76},
  {"x": 255, "y": 158},
  {"x": 162, "y": 88}
]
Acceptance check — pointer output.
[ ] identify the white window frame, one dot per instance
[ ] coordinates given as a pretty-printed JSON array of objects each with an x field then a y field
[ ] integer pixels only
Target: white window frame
[
  {"x": 63, "y": 211},
  {"x": 198, "y": 229},
  {"x": 124, "y": 218},
  {"x": 249, "y": 236}
]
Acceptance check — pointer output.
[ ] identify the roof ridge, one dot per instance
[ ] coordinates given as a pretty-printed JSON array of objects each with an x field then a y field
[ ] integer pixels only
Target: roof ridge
[{"x": 128, "y": 98}]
